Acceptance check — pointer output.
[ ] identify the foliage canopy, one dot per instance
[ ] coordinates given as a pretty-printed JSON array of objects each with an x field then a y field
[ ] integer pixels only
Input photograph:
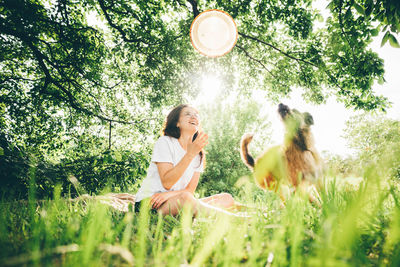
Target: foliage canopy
[{"x": 54, "y": 58}]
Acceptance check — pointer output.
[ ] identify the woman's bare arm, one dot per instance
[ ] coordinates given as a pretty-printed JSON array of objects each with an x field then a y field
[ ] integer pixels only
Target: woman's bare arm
[
  {"x": 191, "y": 187},
  {"x": 159, "y": 198},
  {"x": 169, "y": 174}
]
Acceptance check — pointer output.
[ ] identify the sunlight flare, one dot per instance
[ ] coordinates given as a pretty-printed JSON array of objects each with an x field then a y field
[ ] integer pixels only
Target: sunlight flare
[
  {"x": 213, "y": 33},
  {"x": 210, "y": 88}
]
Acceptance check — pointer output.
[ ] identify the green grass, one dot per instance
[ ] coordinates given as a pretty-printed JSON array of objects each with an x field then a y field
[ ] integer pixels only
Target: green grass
[{"x": 354, "y": 227}]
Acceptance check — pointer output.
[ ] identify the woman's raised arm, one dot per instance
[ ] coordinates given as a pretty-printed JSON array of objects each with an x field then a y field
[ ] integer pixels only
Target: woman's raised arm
[{"x": 169, "y": 174}]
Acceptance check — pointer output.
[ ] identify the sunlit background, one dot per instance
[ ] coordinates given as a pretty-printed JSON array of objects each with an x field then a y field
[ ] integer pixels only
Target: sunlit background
[
  {"x": 329, "y": 118},
  {"x": 210, "y": 88}
]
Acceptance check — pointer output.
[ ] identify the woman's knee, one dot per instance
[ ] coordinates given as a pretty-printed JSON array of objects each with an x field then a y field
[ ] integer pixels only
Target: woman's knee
[
  {"x": 187, "y": 198},
  {"x": 175, "y": 204}
]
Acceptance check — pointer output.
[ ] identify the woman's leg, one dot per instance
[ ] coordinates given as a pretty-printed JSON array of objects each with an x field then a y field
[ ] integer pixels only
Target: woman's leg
[
  {"x": 223, "y": 200},
  {"x": 176, "y": 203},
  {"x": 173, "y": 205}
]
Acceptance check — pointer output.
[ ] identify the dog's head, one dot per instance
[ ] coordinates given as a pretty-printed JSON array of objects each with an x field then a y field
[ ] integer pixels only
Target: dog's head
[{"x": 297, "y": 126}]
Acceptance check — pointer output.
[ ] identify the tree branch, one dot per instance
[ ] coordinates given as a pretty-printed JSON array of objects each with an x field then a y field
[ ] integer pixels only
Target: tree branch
[
  {"x": 9, "y": 78},
  {"x": 342, "y": 30},
  {"x": 120, "y": 30},
  {"x": 49, "y": 79},
  {"x": 327, "y": 72},
  {"x": 195, "y": 10},
  {"x": 277, "y": 49},
  {"x": 256, "y": 60}
]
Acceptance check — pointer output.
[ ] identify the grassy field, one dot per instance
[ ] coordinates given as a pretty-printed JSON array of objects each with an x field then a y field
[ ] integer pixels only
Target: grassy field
[{"x": 357, "y": 225}]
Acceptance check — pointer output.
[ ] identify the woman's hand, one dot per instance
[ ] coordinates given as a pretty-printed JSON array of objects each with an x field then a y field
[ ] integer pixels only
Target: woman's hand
[
  {"x": 160, "y": 198},
  {"x": 197, "y": 145}
]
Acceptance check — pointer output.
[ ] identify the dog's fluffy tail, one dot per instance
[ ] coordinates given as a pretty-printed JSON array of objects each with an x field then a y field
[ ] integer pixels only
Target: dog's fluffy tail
[{"x": 246, "y": 157}]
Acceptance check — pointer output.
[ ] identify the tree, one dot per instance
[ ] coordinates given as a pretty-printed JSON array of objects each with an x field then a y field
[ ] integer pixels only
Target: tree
[
  {"x": 386, "y": 12},
  {"x": 60, "y": 61},
  {"x": 376, "y": 140},
  {"x": 225, "y": 122}
]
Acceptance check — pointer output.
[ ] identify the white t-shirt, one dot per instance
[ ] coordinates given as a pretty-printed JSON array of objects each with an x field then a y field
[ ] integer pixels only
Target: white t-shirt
[{"x": 167, "y": 149}]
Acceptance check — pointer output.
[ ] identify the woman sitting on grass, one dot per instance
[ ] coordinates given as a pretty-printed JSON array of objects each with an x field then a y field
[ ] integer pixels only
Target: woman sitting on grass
[{"x": 177, "y": 161}]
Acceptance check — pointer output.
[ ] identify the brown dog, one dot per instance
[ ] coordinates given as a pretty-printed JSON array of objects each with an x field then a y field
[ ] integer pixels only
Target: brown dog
[{"x": 295, "y": 163}]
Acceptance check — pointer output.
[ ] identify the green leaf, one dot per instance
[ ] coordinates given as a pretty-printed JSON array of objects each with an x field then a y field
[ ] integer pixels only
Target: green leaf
[
  {"x": 359, "y": 9},
  {"x": 374, "y": 32},
  {"x": 385, "y": 38},
  {"x": 393, "y": 41},
  {"x": 369, "y": 6},
  {"x": 368, "y": 11},
  {"x": 347, "y": 15},
  {"x": 319, "y": 17},
  {"x": 330, "y": 5},
  {"x": 1, "y": 151},
  {"x": 381, "y": 80},
  {"x": 118, "y": 156}
]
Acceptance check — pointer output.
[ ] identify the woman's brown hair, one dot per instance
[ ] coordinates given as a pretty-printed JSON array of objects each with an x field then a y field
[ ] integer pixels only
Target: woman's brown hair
[{"x": 170, "y": 127}]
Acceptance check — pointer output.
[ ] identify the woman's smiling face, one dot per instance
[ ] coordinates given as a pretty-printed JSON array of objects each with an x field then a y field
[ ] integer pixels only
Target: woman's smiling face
[{"x": 189, "y": 120}]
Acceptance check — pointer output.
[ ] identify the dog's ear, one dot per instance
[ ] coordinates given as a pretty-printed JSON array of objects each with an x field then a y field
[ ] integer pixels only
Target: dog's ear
[{"x": 308, "y": 119}]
